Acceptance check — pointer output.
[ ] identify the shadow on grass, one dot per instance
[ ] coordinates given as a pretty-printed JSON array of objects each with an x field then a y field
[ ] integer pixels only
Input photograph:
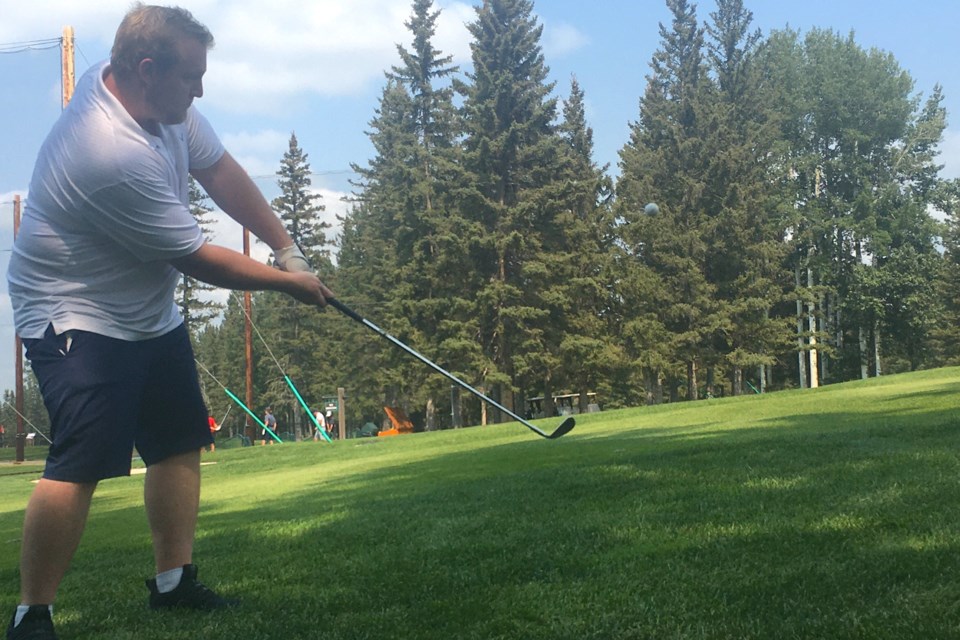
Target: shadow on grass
[{"x": 842, "y": 529}]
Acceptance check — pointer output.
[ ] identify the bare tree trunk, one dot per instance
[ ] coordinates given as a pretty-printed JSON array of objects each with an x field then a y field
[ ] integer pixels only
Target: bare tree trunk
[
  {"x": 864, "y": 362},
  {"x": 825, "y": 329},
  {"x": 812, "y": 322},
  {"x": 649, "y": 386},
  {"x": 506, "y": 399},
  {"x": 483, "y": 409},
  {"x": 430, "y": 419},
  {"x": 456, "y": 407},
  {"x": 801, "y": 351},
  {"x": 692, "y": 380},
  {"x": 549, "y": 408},
  {"x": 876, "y": 349}
]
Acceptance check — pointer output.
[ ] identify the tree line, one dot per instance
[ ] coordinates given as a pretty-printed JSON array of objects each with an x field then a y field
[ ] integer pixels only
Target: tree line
[{"x": 804, "y": 235}]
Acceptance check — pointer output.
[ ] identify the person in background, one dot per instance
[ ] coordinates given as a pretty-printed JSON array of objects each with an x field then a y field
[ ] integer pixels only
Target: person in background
[
  {"x": 321, "y": 424},
  {"x": 271, "y": 424},
  {"x": 106, "y": 235},
  {"x": 214, "y": 427},
  {"x": 332, "y": 428}
]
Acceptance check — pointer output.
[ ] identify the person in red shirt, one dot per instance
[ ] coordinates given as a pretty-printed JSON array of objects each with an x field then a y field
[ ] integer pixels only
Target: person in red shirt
[{"x": 214, "y": 427}]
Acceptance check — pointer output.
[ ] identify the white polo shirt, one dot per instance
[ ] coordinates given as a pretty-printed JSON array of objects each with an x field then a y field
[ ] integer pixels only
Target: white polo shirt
[{"x": 108, "y": 207}]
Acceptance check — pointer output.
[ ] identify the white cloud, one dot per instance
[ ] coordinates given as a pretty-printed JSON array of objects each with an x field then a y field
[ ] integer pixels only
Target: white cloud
[
  {"x": 229, "y": 233},
  {"x": 266, "y": 54},
  {"x": 335, "y": 206},
  {"x": 561, "y": 39},
  {"x": 258, "y": 152},
  {"x": 452, "y": 37},
  {"x": 950, "y": 154},
  {"x": 93, "y": 22},
  {"x": 266, "y": 59}
]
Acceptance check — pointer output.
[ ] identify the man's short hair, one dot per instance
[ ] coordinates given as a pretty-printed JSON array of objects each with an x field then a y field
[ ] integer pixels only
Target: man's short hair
[{"x": 151, "y": 31}]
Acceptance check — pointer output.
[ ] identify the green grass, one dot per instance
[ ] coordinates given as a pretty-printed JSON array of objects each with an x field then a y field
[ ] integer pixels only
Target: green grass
[{"x": 832, "y": 513}]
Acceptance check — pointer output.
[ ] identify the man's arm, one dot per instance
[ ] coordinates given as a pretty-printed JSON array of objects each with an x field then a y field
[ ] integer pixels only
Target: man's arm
[
  {"x": 231, "y": 269},
  {"x": 231, "y": 188}
]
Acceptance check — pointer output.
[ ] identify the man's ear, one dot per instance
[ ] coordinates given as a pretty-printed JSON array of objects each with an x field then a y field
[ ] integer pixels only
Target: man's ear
[{"x": 147, "y": 71}]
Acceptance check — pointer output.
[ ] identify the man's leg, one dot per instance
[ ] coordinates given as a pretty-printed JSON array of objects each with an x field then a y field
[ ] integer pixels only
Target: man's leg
[
  {"x": 52, "y": 527},
  {"x": 172, "y": 498}
]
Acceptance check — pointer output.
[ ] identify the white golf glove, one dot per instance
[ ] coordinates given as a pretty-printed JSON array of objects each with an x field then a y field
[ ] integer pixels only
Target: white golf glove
[{"x": 291, "y": 259}]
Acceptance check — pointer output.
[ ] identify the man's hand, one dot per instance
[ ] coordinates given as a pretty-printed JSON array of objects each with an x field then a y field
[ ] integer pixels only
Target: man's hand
[
  {"x": 291, "y": 259},
  {"x": 306, "y": 287}
]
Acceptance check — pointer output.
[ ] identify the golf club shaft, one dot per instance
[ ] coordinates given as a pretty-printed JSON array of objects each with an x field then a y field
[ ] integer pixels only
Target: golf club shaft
[{"x": 355, "y": 316}]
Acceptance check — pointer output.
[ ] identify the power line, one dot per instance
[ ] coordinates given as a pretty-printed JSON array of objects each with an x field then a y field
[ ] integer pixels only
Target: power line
[
  {"x": 326, "y": 172},
  {"x": 30, "y": 45},
  {"x": 82, "y": 54}
]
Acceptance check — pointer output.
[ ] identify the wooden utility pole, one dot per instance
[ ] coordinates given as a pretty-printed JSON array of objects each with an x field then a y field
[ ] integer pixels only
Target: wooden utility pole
[
  {"x": 248, "y": 343},
  {"x": 342, "y": 412},
  {"x": 18, "y": 351},
  {"x": 811, "y": 306},
  {"x": 68, "y": 81}
]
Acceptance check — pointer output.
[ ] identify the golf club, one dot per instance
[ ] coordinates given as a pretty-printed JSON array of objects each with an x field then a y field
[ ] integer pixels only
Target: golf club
[{"x": 565, "y": 426}]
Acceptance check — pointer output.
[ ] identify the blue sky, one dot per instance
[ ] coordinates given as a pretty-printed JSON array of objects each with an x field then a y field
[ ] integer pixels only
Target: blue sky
[{"x": 316, "y": 68}]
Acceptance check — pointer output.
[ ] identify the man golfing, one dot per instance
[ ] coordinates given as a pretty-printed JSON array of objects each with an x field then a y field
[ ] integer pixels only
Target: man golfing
[{"x": 106, "y": 232}]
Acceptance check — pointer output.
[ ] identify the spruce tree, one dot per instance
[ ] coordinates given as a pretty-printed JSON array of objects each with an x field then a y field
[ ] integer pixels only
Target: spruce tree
[
  {"x": 514, "y": 155},
  {"x": 403, "y": 242},
  {"x": 666, "y": 161},
  {"x": 581, "y": 259},
  {"x": 300, "y": 342},
  {"x": 194, "y": 297},
  {"x": 299, "y": 208},
  {"x": 746, "y": 244}
]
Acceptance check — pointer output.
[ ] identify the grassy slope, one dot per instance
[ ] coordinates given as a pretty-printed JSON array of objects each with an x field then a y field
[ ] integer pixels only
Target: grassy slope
[{"x": 832, "y": 513}]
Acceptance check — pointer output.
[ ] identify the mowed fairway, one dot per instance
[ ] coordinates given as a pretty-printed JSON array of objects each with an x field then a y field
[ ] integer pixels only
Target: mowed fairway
[{"x": 832, "y": 513}]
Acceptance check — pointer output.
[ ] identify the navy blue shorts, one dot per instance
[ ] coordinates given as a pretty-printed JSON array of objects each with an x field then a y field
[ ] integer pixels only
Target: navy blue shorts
[{"x": 105, "y": 396}]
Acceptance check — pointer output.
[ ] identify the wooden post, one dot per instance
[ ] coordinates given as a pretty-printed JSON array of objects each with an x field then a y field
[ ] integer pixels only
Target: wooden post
[
  {"x": 456, "y": 420},
  {"x": 248, "y": 343},
  {"x": 18, "y": 351},
  {"x": 342, "y": 412},
  {"x": 68, "y": 79},
  {"x": 812, "y": 323}
]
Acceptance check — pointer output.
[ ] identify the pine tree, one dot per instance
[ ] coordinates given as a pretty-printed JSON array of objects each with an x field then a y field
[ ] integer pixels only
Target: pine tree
[
  {"x": 581, "y": 259},
  {"x": 403, "y": 242},
  {"x": 746, "y": 245},
  {"x": 514, "y": 155},
  {"x": 194, "y": 297},
  {"x": 299, "y": 208},
  {"x": 666, "y": 161},
  {"x": 297, "y": 341}
]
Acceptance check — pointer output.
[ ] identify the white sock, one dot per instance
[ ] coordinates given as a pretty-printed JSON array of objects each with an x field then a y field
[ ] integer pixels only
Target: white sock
[
  {"x": 22, "y": 611},
  {"x": 168, "y": 580}
]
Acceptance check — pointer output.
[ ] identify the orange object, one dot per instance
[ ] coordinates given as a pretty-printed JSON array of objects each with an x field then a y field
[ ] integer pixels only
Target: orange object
[{"x": 401, "y": 423}]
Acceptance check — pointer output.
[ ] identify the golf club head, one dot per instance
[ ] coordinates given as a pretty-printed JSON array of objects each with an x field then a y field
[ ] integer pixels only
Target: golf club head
[{"x": 565, "y": 427}]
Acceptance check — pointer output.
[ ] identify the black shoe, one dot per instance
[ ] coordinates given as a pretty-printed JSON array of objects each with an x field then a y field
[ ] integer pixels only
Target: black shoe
[
  {"x": 189, "y": 594},
  {"x": 36, "y": 625}
]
